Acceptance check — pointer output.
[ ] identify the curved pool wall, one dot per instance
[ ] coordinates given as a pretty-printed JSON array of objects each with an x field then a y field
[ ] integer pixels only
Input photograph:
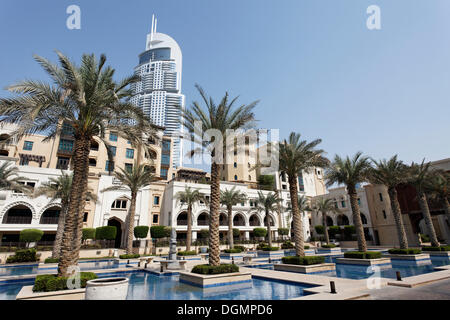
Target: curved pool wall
[{"x": 148, "y": 286}]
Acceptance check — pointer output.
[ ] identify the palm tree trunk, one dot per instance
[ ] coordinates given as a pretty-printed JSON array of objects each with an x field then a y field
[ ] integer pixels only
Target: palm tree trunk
[
  {"x": 362, "y": 245},
  {"x": 189, "y": 228},
  {"x": 214, "y": 243},
  {"x": 70, "y": 249},
  {"x": 395, "y": 206},
  {"x": 269, "y": 231},
  {"x": 230, "y": 227},
  {"x": 130, "y": 230},
  {"x": 427, "y": 217},
  {"x": 325, "y": 228},
  {"x": 59, "y": 232},
  {"x": 297, "y": 219}
]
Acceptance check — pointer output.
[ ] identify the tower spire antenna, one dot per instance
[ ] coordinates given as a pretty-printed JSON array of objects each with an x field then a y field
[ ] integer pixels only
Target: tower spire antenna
[{"x": 153, "y": 25}]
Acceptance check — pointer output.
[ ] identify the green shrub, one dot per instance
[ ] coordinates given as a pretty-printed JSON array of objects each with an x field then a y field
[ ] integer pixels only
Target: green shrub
[
  {"x": 187, "y": 253},
  {"x": 308, "y": 260},
  {"x": 362, "y": 255},
  {"x": 129, "y": 256},
  {"x": 349, "y": 230},
  {"x": 204, "y": 234},
  {"x": 25, "y": 255},
  {"x": 270, "y": 248},
  {"x": 50, "y": 282},
  {"x": 283, "y": 231},
  {"x": 140, "y": 232},
  {"x": 31, "y": 235},
  {"x": 329, "y": 246},
  {"x": 106, "y": 233},
  {"x": 51, "y": 260},
  {"x": 441, "y": 248},
  {"x": 88, "y": 234},
  {"x": 319, "y": 229},
  {"x": 207, "y": 269},
  {"x": 236, "y": 233},
  {"x": 287, "y": 245},
  {"x": 259, "y": 232},
  {"x": 261, "y": 245},
  {"x": 306, "y": 247},
  {"x": 242, "y": 248},
  {"x": 405, "y": 251},
  {"x": 424, "y": 237},
  {"x": 234, "y": 250},
  {"x": 158, "y": 232},
  {"x": 334, "y": 230}
]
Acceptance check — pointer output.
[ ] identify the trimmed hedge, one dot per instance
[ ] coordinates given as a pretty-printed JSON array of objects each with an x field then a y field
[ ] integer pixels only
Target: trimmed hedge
[
  {"x": 207, "y": 269},
  {"x": 270, "y": 248},
  {"x": 283, "y": 231},
  {"x": 50, "y": 282},
  {"x": 236, "y": 233},
  {"x": 30, "y": 235},
  {"x": 334, "y": 230},
  {"x": 261, "y": 245},
  {"x": 129, "y": 256},
  {"x": 88, "y": 234},
  {"x": 362, "y": 255},
  {"x": 140, "y": 232},
  {"x": 259, "y": 232},
  {"x": 329, "y": 246},
  {"x": 51, "y": 260},
  {"x": 441, "y": 248},
  {"x": 319, "y": 229},
  {"x": 287, "y": 245},
  {"x": 187, "y": 253},
  {"x": 158, "y": 232},
  {"x": 242, "y": 248},
  {"x": 304, "y": 261},
  {"x": 203, "y": 234},
  {"x": 405, "y": 251},
  {"x": 106, "y": 233},
  {"x": 306, "y": 247},
  {"x": 25, "y": 255}
]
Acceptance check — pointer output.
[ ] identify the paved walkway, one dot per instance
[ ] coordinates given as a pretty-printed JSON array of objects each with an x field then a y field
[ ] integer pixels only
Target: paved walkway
[{"x": 434, "y": 291}]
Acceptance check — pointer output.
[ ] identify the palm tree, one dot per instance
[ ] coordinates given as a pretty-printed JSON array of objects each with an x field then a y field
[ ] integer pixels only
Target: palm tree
[
  {"x": 230, "y": 198},
  {"x": 268, "y": 204},
  {"x": 302, "y": 205},
  {"x": 189, "y": 197},
  {"x": 419, "y": 177},
  {"x": 392, "y": 173},
  {"x": 133, "y": 181},
  {"x": 438, "y": 188},
  {"x": 9, "y": 178},
  {"x": 218, "y": 119},
  {"x": 86, "y": 99},
  {"x": 325, "y": 206},
  {"x": 296, "y": 156},
  {"x": 351, "y": 172},
  {"x": 59, "y": 189}
]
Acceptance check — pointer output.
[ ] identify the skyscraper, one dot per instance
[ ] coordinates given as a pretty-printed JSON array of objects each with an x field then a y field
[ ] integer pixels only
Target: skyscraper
[{"x": 159, "y": 91}]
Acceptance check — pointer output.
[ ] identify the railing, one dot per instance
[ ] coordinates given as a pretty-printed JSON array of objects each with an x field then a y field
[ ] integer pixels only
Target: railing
[
  {"x": 239, "y": 224},
  {"x": 255, "y": 224},
  {"x": 49, "y": 220},
  {"x": 202, "y": 223},
  {"x": 17, "y": 220}
]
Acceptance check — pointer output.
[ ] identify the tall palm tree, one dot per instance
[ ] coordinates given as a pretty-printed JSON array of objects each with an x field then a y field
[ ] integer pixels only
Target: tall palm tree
[
  {"x": 268, "y": 204},
  {"x": 189, "y": 197},
  {"x": 85, "y": 98},
  {"x": 59, "y": 189},
  {"x": 10, "y": 179},
  {"x": 351, "y": 172},
  {"x": 438, "y": 188},
  {"x": 132, "y": 181},
  {"x": 325, "y": 206},
  {"x": 230, "y": 198},
  {"x": 296, "y": 156},
  {"x": 419, "y": 176},
  {"x": 392, "y": 173},
  {"x": 218, "y": 119},
  {"x": 302, "y": 205}
]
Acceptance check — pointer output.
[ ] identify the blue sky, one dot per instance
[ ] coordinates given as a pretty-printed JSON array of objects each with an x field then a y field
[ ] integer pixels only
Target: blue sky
[{"x": 313, "y": 64}]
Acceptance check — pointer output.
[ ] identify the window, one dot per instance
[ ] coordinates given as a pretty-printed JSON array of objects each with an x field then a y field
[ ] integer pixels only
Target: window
[
  {"x": 92, "y": 162},
  {"x": 128, "y": 167},
  {"x": 156, "y": 200},
  {"x": 381, "y": 196},
  {"x": 65, "y": 145},
  {"x": 63, "y": 163},
  {"x": 130, "y": 153},
  {"x": 284, "y": 187},
  {"x": 165, "y": 159},
  {"x": 128, "y": 142},
  {"x": 359, "y": 201},
  {"x": 235, "y": 165},
  {"x": 235, "y": 177},
  {"x": 112, "y": 136},
  {"x": 249, "y": 177},
  {"x": 85, "y": 217},
  {"x": 384, "y": 214},
  {"x": 113, "y": 150},
  {"x": 163, "y": 173},
  {"x": 119, "y": 204},
  {"x": 166, "y": 145},
  {"x": 28, "y": 145},
  {"x": 343, "y": 203},
  {"x": 155, "y": 218},
  {"x": 249, "y": 165},
  {"x": 109, "y": 165}
]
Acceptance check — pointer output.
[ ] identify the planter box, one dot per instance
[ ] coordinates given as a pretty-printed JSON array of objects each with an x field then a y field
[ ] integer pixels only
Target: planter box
[
  {"x": 270, "y": 254},
  {"x": 193, "y": 257},
  {"x": 239, "y": 255},
  {"x": 439, "y": 253},
  {"x": 26, "y": 293},
  {"x": 408, "y": 257},
  {"x": 363, "y": 262},
  {"x": 291, "y": 252},
  {"x": 215, "y": 280},
  {"x": 329, "y": 250},
  {"x": 305, "y": 269},
  {"x": 126, "y": 261}
]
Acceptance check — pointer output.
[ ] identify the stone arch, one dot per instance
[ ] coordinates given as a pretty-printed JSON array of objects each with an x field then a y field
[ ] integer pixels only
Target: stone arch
[
  {"x": 254, "y": 220},
  {"x": 202, "y": 218},
  {"x": 182, "y": 218},
  {"x": 16, "y": 203},
  {"x": 363, "y": 218},
  {"x": 46, "y": 215},
  {"x": 223, "y": 218},
  {"x": 272, "y": 220},
  {"x": 119, "y": 224},
  {"x": 330, "y": 221},
  {"x": 239, "y": 220},
  {"x": 5, "y": 217},
  {"x": 122, "y": 197},
  {"x": 342, "y": 220}
]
